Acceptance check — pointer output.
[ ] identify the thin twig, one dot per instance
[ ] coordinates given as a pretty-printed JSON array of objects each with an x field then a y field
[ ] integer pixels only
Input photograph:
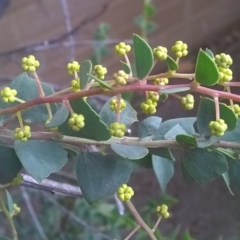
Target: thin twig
[
  {"x": 68, "y": 25},
  {"x": 52, "y": 186},
  {"x": 132, "y": 232},
  {"x": 8, "y": 216},
  {"x": 33, "y": 214},
  {"x": 77, "y": 219},
  {"x": 139, "y": 220}
]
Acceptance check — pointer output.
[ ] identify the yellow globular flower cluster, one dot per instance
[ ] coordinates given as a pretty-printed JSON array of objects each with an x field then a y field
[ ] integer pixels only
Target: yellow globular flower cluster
[
  {"x": 122, "y": 48},
  {"x": 76, "y": 122},
  {"x": 22, "y": 134},
  {"x": 120, "y": 78},
  {"x": 17, "y": 180},
  {"x": 117, "y": 129},
  {"x": 72, "y": 67},
  {"x": 160, "y": 53},
  {"x": 113, "y": 104},
  {"x": 218, "y": 128},
  {"x": 75, "y": 85},
  {"x": 224, "y": 61},
  {"x": 149, "y": 106},
  {"x": 16, "y": 209},
  {"x": 162, "y": 211},
  {"x": 30, "y": 64},
  {"x": 99, "y": 71},
  {"x": 125, "y": 193},
  {"x": 236, "y": 109},
  {"x": 8, "y": 95},
  {"x": 161, "y": 81},
  {"x": 187, "y": 102},
  {"x": 180, "y": 49}
]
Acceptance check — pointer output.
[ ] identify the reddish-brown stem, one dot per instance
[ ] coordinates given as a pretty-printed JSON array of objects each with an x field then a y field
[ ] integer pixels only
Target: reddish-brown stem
[
  {"x": 216, "y": 101},
  {"x": 138, "y": 86},
  {"x": 39, "y": 86},
  {"x": 69, "y": 107}
]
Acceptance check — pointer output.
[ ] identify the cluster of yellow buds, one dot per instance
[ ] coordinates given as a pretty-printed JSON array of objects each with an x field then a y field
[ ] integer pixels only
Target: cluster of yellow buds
[
  {"x": 187, "y": 102},
  {"x": 30, "y": 64},
  {"x": 125, "y": 193},
  {"x": 160, "y": 53},
  {"x": 76, "y": 122},
  {"x": 120, "y": 77},
  {"x": 100, "y": 71},
  {"x": 122, "y": 48},
  {"x": 17, "y": 180},
  {"x": 224, "y": 61},
  {"x": 180, "y": 49},
  {"x": 162, "y": 211},
  {"x": 72, "y": 67},
  {"x": 22, "y": 134},
  {"x": 236, "y": 109},
  {"x": 161, "y": 81},
  {"x": 218, "y": 128},
  {"x": 8, "y": 94},
  {"x": 117, "y": 129},
  {"x": 113, "y": 104},
  {"x": 75, "y": 85},
  {"x": 149, "y": 106}
]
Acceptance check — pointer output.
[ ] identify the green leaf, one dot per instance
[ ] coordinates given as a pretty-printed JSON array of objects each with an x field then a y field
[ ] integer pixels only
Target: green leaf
[
  {"x": 129, "y": 152},
  {"x": 210, "y": 53},
  {"x": 185, "y": 123},
  {"x": 164, "y": 170},
  {"x": 143, "y": 56},
  {"x": 204, "y": 165},
  {"x": 149, "y": 126},
  {"x": 175, "y": 90},
  {"x": 173, "y": 132},
  {"x": 41, "y": 158},
  {"x": 171, "y": 63},
  {"x": 101, "y": 175},
  {"x": 203, "y": 143},
  {"x": 151, "y": 27},
  {"x": 206, "y": 71},
  {"x": 140, "y": 21},
  {"x": 9, "y": 201},
  {"x": 72, "y": 150},
  {"x": 227, "y": 181},
  {"x": 125, "y": 67},
  {"x": 94, "y": 128},
  {"x": 206, "y": 114},
  {"x": 187, "y": 236},
  {"x": 128, "y": 115},
  {"x": 59, "y": 117},
  {"x": 186, "y": 139},
  {"x": 101, "y": 82},
  {"x": 4, "y": 238},
  {"x": 10, "y": 165},
  {"x": 234, "y": 172},
  {"x": 149, "y": 10},
  {"x": 145, "y": 162},
  {"x": 27, "y": 90},
  {"x": 162, "y": 152},
  {"x": 85, "y": 70},
  {"x": 228, "y": 153},
  {"x": 185, "y": 174}
]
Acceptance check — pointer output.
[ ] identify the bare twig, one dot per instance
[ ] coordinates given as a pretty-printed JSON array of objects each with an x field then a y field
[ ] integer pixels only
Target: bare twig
[
  {"x": 77, "y": 219},
  {"x": 33, "y": 214},
  {"x": 52, "y": 186},
  {"x": 68, "y": 25}
]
